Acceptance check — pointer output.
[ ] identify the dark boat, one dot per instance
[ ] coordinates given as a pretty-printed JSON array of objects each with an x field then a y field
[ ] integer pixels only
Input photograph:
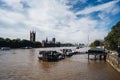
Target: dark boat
[
  {"x": 77, "y": 47},
  {"x": 50, "y": 56}
]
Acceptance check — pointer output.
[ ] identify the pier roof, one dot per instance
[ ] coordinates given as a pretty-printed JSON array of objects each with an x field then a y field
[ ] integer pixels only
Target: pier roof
[{"x": 96, "y": 50}]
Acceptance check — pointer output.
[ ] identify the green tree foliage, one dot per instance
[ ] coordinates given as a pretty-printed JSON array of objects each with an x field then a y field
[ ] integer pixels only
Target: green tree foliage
[
  {"x": 112, "y": 40},
  {"x": 17, "y": 43},
  {"x": 96, "y": 43}
]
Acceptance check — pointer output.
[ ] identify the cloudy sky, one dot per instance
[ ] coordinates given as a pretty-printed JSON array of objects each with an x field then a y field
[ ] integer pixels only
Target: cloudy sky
[{"x": 67, "y": 20}]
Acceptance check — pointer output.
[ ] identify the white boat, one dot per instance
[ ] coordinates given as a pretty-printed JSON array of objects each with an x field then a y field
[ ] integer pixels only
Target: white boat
[
  {"x": 5, "y": 48},
  {"x": 27, "y": 47},
  {"x": 68, "y": 52}
]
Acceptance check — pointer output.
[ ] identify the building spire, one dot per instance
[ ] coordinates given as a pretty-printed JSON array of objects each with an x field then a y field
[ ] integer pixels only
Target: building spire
[
  {"x": 32, "y": 36},
  {"x": 46, "y": 39}
]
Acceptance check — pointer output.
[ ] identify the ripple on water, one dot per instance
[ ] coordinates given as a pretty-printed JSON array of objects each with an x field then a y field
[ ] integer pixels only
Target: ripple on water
[{"x": 24, "y": 65}]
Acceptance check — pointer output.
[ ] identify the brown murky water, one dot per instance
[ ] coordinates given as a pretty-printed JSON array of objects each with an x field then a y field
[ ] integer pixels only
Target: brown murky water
[{"x": 21, "y": 64}]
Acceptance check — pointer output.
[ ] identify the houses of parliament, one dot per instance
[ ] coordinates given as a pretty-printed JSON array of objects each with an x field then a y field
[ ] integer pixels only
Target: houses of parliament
[{"x": 44, "y": 43}]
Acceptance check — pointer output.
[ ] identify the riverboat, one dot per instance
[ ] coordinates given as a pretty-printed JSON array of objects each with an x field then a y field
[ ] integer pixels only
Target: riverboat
[
  {"x": 68, "y": 52},
  {"x": 5, "y": 48},
  {"x": 50, "y": 56}
]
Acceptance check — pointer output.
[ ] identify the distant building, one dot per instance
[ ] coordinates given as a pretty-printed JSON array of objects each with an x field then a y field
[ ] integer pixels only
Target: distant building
[
  {"x": 52, "y": 43},
  {"x": 43, "y": 43},
  {"x": 46, "y": 40},
  {"x": 53, "y": 40},
  {"x": 32, "y": 36}
]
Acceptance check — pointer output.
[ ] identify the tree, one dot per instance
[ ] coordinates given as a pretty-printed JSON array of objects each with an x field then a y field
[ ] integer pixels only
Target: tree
[
  {"x": 17, "y": 43},
  {"x": 2, "y": 42},
  {"x": 96, "y": 43},
  {"x": 112, "y": 40}
]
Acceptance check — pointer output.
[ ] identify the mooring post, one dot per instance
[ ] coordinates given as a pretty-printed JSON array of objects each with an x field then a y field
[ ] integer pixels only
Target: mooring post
[
  {"x": 88, "y": 56},
  {"x": 95, "y": 56},
  {"x": 104, "y": 57},
  {"x": 100, "y": 57}
]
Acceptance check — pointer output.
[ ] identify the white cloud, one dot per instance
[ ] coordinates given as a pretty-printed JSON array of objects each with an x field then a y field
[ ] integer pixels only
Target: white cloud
[
  {"x": 115, "y": 10},
  {"x": 99, "y": 0},
  {"x": 50, "y": 18},
  {"x": 72, "y": 2},
  {"x": 102, "y": 7},
  {"x": 11, "y": 17},
  {"x": 14, "y": 4}
]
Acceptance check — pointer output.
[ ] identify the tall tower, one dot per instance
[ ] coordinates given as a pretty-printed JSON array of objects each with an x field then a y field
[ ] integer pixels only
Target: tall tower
[
  {"x": 32, "y": 36},
  {"x": 46, "y": 40},
  {"x": 53, "y": 40}
]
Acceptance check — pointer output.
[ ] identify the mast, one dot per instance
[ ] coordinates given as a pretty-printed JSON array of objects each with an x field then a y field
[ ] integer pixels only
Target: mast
[{"x": 88, "y": 41}]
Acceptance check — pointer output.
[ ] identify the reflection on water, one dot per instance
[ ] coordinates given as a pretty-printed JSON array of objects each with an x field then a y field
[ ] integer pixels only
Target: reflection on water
[{"x": 23, "y": 64}]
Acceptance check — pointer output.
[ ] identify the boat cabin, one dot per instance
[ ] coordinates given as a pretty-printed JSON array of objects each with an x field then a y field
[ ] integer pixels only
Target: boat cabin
[{"x": 49, "y": 55}]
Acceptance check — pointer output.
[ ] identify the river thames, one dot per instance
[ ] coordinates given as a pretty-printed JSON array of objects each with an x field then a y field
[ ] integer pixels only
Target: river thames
[{"x": 23, "y": 64}]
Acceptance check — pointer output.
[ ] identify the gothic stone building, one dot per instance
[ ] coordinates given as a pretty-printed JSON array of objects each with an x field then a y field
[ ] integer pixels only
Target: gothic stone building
[{"x": 32, "y": 36}]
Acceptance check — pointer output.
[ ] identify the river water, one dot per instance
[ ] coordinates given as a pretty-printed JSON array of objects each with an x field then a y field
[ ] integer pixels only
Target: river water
[{"x": 23, "y": 64}]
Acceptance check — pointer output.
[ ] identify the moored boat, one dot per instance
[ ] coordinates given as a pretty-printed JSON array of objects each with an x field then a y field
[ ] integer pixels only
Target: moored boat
[
  {"x": 5, "y": 48},
  {"x": 27, "y": 47},
  {"x": 68, "y": 52},
  {"x": 50, "y": 56}
]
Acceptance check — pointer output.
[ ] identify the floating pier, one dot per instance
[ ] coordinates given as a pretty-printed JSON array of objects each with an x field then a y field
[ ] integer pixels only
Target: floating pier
[{"x": 98, "y": 53}]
